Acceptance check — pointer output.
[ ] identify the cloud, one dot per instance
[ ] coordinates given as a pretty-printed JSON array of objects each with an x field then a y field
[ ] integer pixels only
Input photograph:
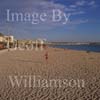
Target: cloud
[
  {"x": 69, "y": 9},
  {"x": 77, "y": 22},
  {"x": 80, "y": 3},
  {"x": 72, "y": 6},
  {"x": 77, "y": 13},
  {"x": 91, "y": 3}
]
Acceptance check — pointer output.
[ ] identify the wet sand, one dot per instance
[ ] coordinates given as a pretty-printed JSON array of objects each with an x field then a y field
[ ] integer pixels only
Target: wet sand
[{"x": 61, "y": 64}]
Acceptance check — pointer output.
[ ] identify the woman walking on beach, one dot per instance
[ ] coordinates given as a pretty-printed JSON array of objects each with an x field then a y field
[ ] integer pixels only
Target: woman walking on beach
[{"x": 46, "y": 56}]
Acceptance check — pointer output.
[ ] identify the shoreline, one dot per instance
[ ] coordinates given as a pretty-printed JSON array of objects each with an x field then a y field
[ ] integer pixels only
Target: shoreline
[
  {"x": 74, "y": 49},
  {"x": 49, "y": 47}
]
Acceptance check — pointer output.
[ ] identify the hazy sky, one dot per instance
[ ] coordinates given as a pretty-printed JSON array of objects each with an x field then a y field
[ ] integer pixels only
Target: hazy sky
[{"x": 83, "y": 23}]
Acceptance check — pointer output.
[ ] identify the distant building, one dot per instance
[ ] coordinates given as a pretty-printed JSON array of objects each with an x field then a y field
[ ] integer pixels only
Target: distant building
[
  {"x": 9, "y": 39},
  {"x": 5, "y": 38},
  {"x": 1, "y": 38},
  {"x": 6, "y": 41},
  {"x": 1, "y": 41}
]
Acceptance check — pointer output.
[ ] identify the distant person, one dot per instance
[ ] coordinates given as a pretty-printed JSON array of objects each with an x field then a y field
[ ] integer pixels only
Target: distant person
[{"x": 46, "y": 56}]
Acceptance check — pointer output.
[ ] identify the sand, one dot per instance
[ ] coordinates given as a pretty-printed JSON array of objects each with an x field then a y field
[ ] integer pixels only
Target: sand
[{"x": 61, "y": 64}]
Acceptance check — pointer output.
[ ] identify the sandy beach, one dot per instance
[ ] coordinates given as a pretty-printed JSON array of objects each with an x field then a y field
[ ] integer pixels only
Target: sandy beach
[{"x": 61, "y": 64}]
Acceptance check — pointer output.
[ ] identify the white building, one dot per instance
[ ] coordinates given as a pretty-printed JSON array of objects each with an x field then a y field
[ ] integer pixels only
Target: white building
[
  {"x": 9, "y": 39},
  {"x": 1, "y": 38}
]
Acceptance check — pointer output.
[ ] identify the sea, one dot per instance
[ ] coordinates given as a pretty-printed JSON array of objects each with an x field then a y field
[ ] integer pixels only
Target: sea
[{"x": 88, "y": 48}]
